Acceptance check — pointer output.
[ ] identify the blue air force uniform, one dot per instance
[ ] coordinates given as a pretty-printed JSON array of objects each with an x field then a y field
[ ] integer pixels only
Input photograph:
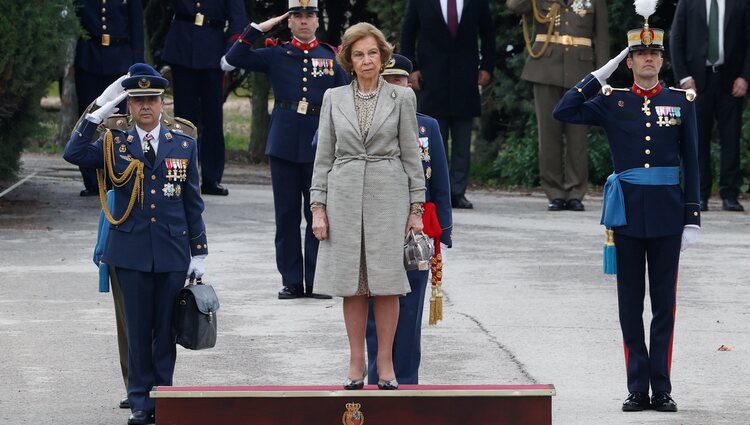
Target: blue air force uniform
[
  {"x": 299, "y": 74},
  {"x": 115, "y": 41},
  {"x": 151, "y": 250},
  {"x": 407, "y": 343},
  {"x": 647, "y": 130},
  {"x": 193, "y": 48}
]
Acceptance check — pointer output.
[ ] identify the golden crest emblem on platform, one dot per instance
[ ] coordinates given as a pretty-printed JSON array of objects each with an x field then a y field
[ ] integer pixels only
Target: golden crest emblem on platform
[{"x": 353, "y": 416}]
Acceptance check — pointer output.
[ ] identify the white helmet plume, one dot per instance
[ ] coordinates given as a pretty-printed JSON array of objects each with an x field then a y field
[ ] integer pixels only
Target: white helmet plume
[{"x": 645, "y": 8}]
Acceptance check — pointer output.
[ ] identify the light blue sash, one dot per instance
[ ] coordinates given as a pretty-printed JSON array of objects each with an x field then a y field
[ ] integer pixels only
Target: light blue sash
[{"x": 613, "y": 209}]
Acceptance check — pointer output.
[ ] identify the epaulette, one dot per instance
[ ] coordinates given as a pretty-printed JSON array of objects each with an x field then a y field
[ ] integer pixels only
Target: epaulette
[
  {"x": 272, "y": 42},
  {"x": 332, "y": 47},
  {"x": 185, "y": 127},
  {"x": 117, "y": 122},
  {"x": 690, "y": 94},
  {"x": 607, "y": 89}
]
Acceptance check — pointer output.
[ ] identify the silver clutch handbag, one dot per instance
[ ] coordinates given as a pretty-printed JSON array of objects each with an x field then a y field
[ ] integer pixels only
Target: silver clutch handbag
[{"x": 418, "y": 251}]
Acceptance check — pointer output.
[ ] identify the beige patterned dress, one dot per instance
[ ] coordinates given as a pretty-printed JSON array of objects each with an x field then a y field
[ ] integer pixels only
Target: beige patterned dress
[{"x": 365, "y": 107}]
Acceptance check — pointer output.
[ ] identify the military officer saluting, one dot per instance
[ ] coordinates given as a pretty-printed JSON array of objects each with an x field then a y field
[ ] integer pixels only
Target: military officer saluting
[
  {"x": 438, "y": 222},
  {"x": 157, "y": 235},
  {"x": 652, "y": 135},
  {"x": 300, "y": 71}
]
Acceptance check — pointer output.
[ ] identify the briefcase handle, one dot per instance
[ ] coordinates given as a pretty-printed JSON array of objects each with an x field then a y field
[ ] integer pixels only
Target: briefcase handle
[{"x": 192, "y": 280}]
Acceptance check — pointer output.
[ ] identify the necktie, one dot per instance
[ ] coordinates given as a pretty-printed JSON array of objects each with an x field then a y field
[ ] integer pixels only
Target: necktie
[
  {"x": 713, "y": 32},
  {"x": 148, "y": 150},
  {"x": 453, "y": 17}
]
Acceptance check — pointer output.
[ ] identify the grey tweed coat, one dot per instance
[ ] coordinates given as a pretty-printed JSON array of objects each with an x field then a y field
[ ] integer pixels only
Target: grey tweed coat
[{"x": 366, "y": 183}]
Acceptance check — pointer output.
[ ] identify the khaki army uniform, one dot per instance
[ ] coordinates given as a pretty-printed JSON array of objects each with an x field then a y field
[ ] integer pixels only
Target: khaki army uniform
[
  {"x": 124, "y": 122},
  {"x": 573, "y": 43}
]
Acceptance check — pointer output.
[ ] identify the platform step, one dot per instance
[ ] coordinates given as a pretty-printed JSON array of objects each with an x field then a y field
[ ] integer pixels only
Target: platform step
[{"x": 328, "y": 405}]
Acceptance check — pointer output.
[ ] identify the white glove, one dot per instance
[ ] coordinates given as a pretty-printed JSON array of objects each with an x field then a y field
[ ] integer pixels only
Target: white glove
[
  {"x": 197, "y": 266},
  {"x": 610, "y": 67},
  {"x": 112, "y": 91},
  {"x": 225, "y": 66},
  {"x": 106, "y": 110},
  {"x": 443, "y": 251},
  {"x": 689, "y": 237}
]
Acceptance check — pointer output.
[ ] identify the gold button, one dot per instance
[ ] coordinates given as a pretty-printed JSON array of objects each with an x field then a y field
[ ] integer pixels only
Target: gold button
[
  {"x": 104, "y": 1},
  {"x": 198, "y": 246},
  {"x": 304, "y": 99},
  {"x": 648, "y": 124},
  {"x": 580, "y": 90},
  {"x": 153, "y": 206},
  {"x": 648, "y": 151},
  {"x": 153, "y": 176},
  {"x": 104, "y": 10},
  {"x": 304, "y": 89},
  {"x": 648, "y": 138},
  {"x": 304, "y": 79},
  {"x": 647, "y": 165},
  {"x": 104, "y": 18},
  {"x": 567, "y": 49},
  {"x": 153, "y": 191},
  {"x": 567, "y": 23},
  {"x": 184, "y": 232},
  {"x": 153, "y": 219},
  {"x": 198, "y": 4},
  {"x": 304, "y": 69},
  {"x": 104, "y": 27},
  {"x": 306, "y": 52},
  {"x": 305, "y": 61},
  {"x": 695, "y": 213}
]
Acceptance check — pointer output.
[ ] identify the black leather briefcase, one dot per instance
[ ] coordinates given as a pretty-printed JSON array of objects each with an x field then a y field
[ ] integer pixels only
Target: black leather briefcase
[{"x": 195, "y": 316}]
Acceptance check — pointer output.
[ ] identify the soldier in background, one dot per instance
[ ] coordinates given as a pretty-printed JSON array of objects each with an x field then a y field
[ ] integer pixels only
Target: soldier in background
[
  {"x": 115, "y": 41},
  {"x": 195, "y": 43},
  {"x": 300, "y": 71},
  {"x": 572, "y": 37}
]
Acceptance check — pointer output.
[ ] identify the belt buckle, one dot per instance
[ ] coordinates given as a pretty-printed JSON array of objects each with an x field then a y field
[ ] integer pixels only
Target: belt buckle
[
  {"x": 715, "y": 68},
  {"x": 105, "y": 39},
  {"x": 199, "y": 19},
  {"x": 302, "y": 107},
  {"x": 566, "y": 40}
]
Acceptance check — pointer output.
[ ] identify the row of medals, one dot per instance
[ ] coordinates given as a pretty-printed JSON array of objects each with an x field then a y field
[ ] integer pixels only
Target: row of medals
[
  {"x": 325, "y": 64},
  {"x": 176, "y": 172}
]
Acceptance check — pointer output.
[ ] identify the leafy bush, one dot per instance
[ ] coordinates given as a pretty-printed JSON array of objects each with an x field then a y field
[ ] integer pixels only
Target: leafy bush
[{"x": 32, "y": 36}]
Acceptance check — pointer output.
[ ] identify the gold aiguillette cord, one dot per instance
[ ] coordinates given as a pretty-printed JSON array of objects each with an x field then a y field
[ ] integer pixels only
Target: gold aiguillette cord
[{"x": 135, "y": 167}]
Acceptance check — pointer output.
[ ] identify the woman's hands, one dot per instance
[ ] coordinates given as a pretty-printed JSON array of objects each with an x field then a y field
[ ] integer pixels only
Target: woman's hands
[
  {"x": 320, "y": 223},
  {"x": 413, "y": 223}
]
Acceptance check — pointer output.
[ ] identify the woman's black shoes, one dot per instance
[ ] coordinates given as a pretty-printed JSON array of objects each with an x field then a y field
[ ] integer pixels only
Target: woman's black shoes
[{"x": 387, "y": 385}]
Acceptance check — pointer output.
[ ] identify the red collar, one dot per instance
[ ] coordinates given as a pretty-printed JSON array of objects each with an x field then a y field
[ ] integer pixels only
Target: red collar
[
  {"x": 304, "y": 46},
  {"x": 646, "y": 93}
]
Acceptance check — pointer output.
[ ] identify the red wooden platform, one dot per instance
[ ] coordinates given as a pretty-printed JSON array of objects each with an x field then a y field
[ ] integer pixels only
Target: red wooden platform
[{"x": 328, "y": 405}]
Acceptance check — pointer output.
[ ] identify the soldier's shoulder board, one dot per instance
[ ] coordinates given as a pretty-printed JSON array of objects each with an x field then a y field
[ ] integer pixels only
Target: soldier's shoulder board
[
  {"x": 690, "y": 94},
  {"x": 186, "y": 127},
  {"x": 117, "y": 122}
]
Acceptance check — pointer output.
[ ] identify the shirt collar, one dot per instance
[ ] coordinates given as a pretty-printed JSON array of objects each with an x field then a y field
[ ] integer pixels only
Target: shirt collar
[
  {"x": 155, "y": 132},
  {"x": 304, "y": 46},
  {"x": 653, "y": 91}
]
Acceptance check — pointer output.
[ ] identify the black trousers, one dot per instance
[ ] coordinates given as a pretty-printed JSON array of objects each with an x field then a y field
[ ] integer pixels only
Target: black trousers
[
  {"x": 662, "y": 256},
  {"x": 149, "y": 300},
  {"x": 459, "y": 130},
  {"x": 715, "y": 104},
  {"x": 198, "y": 98},
  {"x": 291, "y": 198},
  {"x": 88, "y": 87}
]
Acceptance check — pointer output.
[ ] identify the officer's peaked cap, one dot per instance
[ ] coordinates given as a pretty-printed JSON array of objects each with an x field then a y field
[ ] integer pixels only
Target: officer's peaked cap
[
  {"x": 298, "y": 6},
  {"x": 398, "y": 65},
  {"x": 144, "y": 80}
]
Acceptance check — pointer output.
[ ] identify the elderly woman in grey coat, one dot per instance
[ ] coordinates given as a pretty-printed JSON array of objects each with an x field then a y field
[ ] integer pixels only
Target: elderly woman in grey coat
[{"x": 367, "y": 193}]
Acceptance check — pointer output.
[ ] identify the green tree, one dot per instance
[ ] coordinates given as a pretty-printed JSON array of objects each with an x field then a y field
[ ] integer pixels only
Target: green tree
[{"x": 32, "y": 38}]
